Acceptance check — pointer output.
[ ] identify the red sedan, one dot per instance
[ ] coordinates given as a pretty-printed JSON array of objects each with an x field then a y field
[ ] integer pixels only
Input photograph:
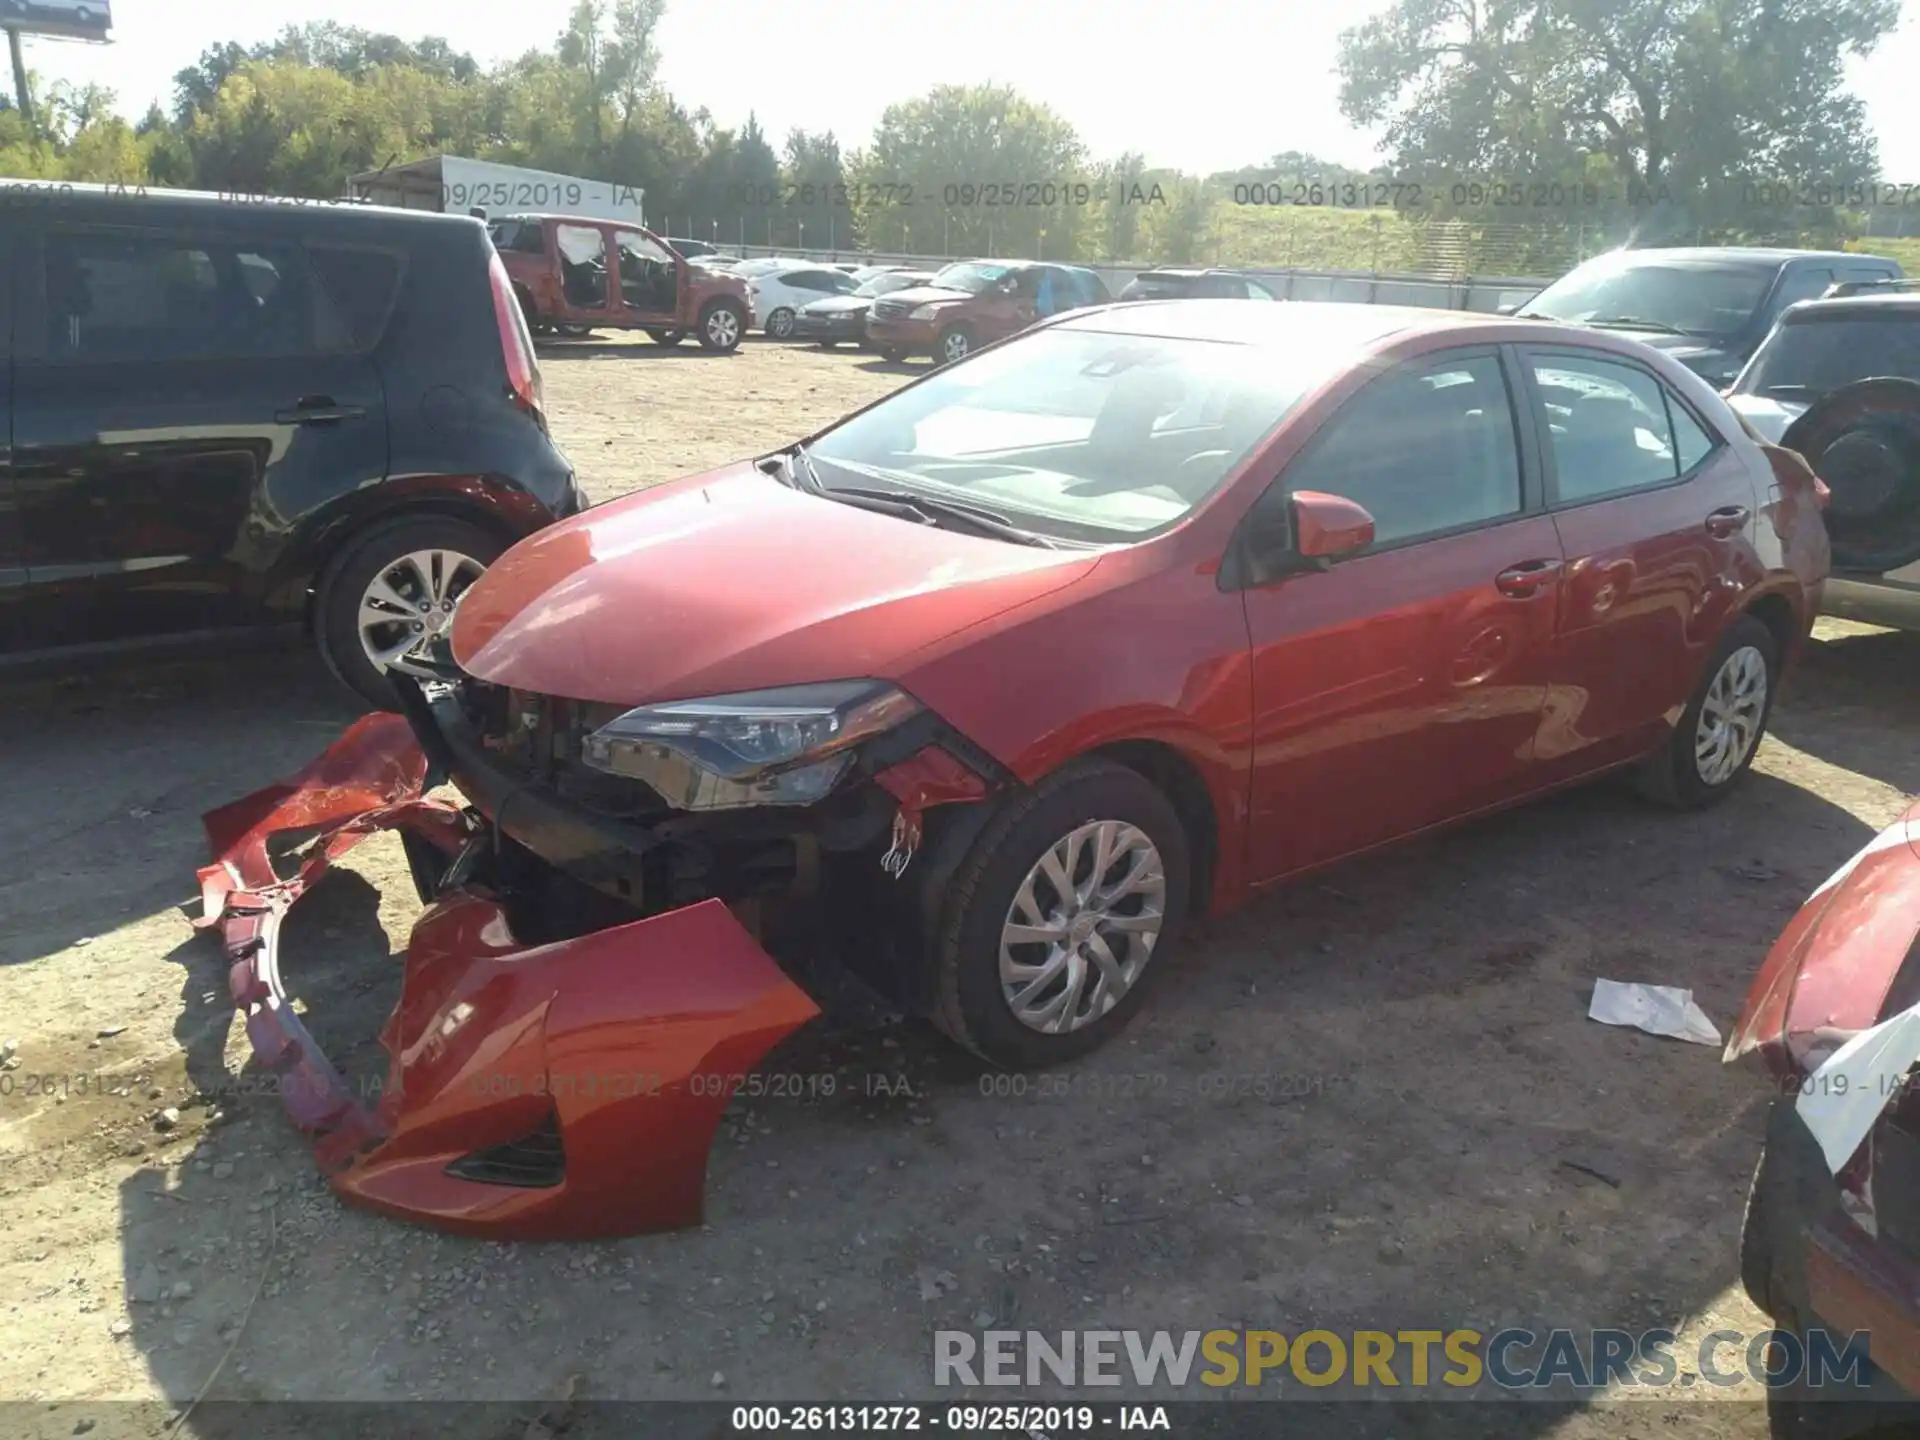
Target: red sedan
[{"x": 1002, "y": 680}]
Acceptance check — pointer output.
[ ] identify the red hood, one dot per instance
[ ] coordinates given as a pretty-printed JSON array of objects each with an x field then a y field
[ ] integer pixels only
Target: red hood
[{"x": 732, "y": 581}]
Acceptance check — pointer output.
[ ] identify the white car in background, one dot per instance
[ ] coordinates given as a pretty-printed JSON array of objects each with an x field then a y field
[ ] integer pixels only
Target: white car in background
[{"x": 778, "y": 295}]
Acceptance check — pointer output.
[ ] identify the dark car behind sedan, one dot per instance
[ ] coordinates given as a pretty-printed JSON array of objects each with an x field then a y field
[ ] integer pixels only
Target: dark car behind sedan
[
  {"x": 841, "y": 318},
  {"x": 1190, "y": 284},
  {"x": 227, "y": 418},
  {"x": 1709, "y": 307}
]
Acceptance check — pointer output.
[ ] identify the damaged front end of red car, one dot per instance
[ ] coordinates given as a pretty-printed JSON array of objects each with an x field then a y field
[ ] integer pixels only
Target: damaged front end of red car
[{"x": 581, "y": 996}]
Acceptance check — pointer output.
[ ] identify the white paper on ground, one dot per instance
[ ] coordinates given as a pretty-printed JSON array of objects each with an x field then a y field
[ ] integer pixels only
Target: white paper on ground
[
  {"x": 1841, "y": 1100},
  {"x": 1656, "y": 1009}
]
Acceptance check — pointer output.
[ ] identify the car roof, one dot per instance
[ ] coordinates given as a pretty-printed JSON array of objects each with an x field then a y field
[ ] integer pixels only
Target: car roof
[
  {"x": 1333, "y": 322},
  {"x": 1892, "y": 301},
  {"x": 1756, "y": 255}
]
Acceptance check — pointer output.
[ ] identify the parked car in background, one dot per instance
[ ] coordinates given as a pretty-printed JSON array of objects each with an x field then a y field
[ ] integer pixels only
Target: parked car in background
[
  {"x": 691, "y": 249},
  {"x": 1831, "y": 1239},
  {"x": 837, "y": 319},
  {"x": 588, "y": 273},
  {"x": 1189, "y": 284},
  {"x": 1838, "y": 380},
  {"x": 778, "y": 295},
  {"x": 1709, "y": 308},
  {"x": 227, "y": 418},
  {"x": 975, "y": 303}
]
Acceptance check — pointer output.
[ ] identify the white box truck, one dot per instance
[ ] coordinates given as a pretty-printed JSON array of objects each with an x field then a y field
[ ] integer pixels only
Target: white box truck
[{"x": 461, "y": 187}]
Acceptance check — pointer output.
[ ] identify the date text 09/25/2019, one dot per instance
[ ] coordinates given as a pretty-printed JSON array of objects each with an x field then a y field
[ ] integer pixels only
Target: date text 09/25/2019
[{"x": 1000, "y": 194}]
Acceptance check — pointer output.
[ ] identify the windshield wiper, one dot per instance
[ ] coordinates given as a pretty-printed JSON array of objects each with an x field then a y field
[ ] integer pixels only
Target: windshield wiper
[
  {"x": 932, "y": 509},
  {"x": 792, "y": 468},
  {"x": 1634, "y": 322}
]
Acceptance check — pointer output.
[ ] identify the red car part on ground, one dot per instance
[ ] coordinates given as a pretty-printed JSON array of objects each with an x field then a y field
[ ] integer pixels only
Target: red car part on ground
[{"x": 560, "y": 1091}]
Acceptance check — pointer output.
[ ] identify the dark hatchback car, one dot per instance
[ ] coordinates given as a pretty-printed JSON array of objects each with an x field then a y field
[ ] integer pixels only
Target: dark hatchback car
[
  {"x": 1707, "y": 307},
  {"x": 230, "y": 417},
  {"x": 1186, "y": 284}
]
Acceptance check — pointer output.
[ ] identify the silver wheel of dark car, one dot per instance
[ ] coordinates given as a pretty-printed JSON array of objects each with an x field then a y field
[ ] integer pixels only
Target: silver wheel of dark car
[
  {"x": 780, "y": 323},
  {"x": 1082, "y": 926},
  {"x": 368, "y": 602},
  {"x": 1731, "y": 716},
  {"x": 411, "y": 601}
]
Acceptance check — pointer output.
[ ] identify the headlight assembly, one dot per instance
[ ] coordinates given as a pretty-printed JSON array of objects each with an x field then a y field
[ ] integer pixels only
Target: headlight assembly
[
  {"x": 761, "y": 747},
  {"x": 932, "y": 311}
]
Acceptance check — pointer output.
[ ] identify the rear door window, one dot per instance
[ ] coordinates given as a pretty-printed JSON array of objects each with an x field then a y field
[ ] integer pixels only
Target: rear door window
[
  {"x": 116, "y": 296},
  {"x": 1612, "y": 428},
  {"x": 1803, "y": 284},
  {"x": 361, "y": 286}
]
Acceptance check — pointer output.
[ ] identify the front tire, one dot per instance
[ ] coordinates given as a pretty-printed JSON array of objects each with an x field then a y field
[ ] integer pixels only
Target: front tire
[
  {"x": 722, "y": 324},
  {"x": 1713, "y": 745},
  {"x": 780, "y": 324},
  {"x": 955, "y": 344},
  {"x": 370, "y": 603},
  {"x": 1067, "y": 905}
]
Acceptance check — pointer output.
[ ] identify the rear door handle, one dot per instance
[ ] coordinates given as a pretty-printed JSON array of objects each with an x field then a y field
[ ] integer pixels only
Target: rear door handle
[
  {"x": 1527, "y": 578},
  {"x": 1728, "y": 521},
  {"x": 319, "y": 410}
]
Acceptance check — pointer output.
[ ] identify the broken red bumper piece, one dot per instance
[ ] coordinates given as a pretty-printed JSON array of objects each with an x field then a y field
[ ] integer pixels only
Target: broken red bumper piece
[{"x": 560, "y": 1091}]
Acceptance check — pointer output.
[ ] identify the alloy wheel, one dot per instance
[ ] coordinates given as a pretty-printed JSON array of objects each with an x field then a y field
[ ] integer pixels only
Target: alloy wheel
[
  {"x": 723, "y": 328},
  {"x": 1730, "y": 716},
  {"x": 780, "y": 324},
  {"x": 412, "y": 601},
  {"x": 1082, "y": 926},
  {"x": 954, "y": 347}
]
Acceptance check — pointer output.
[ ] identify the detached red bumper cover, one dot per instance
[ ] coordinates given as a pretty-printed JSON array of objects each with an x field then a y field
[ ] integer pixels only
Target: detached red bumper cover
[{"x": 560, "y": 1091}]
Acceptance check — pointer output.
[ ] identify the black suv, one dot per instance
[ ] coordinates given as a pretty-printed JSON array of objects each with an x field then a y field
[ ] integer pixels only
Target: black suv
[
  {"x": 1838, "y": 380},
  {"x": 1184, "y": 284},
  {"x": 1707, "y": 307},
  {"x": 227, "y": 416}
]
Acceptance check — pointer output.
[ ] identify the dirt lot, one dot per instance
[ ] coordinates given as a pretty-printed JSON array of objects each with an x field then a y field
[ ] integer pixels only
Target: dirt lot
[{"x": 1372, "y": 1102}]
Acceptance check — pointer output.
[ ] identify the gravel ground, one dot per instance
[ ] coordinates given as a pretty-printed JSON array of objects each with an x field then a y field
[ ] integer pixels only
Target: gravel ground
[{"x": 1372, "y": 1101}]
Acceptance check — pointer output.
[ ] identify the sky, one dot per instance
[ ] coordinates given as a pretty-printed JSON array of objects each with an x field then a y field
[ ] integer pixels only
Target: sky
[{"x": 1212, "y": 85}]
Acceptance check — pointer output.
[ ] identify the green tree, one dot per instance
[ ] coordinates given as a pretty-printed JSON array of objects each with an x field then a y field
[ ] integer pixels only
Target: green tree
[
  {"x": 1665, "y": 103},
  {"x": 819, "y": 209},
  {"x": 972, "y": 155}
]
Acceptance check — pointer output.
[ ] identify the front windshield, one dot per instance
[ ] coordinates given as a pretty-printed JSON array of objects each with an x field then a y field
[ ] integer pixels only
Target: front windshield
[
  {"x": 1810, "y": 357},
  {"x": 887, "y": 284},
  {"x": 971, "y": 276},
  {"x": 1076, "y": 434},
  {"x": 1707, "y": 301}
]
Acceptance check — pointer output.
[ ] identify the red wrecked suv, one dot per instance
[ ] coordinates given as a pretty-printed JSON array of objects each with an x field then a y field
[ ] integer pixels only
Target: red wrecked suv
[
  {"x": 576, "y": 275},
  {"x": 998, "y": 683}
]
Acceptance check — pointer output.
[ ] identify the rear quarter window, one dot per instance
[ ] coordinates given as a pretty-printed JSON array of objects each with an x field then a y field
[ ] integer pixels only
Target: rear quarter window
[{"x": 362, "y": 285}]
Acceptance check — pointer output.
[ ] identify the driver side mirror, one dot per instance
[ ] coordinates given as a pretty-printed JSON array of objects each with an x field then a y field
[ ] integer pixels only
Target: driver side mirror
[
  {"x": 1327, "y": 528},
  {"x": 1310, "y": 532}
]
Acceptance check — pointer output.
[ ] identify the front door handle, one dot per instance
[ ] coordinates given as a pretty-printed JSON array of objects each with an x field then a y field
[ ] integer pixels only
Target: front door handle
[
  {"x": 1528, "y": 578},
  {"x": 319, "y": 410},
  {"x": 1728, "y": 521}
]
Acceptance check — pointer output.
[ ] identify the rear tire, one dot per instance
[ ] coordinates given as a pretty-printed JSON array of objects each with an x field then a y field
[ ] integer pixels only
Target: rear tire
[
  {"x": 1713, "y": 745},
  {"x": 369, "y": 557},
  {"x": 994, "y": 887},
  {"x": 779, "y": 324}
]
